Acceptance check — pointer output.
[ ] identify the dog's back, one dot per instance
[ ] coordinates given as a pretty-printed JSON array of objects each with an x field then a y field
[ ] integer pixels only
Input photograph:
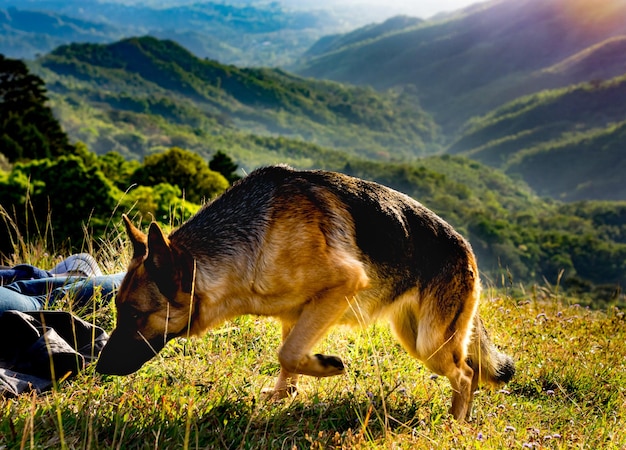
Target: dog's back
[{"x": 400, "y": 240}]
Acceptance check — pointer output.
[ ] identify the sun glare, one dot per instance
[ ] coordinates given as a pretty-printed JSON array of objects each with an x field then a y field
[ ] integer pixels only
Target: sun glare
[{"x": 595, "y": 15}]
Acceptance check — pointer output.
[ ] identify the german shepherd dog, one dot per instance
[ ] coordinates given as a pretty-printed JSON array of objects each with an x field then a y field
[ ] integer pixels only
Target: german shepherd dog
[{"x": 313, "y": 249}]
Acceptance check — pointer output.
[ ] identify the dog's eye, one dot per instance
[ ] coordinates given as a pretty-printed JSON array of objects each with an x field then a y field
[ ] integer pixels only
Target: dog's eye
[{"x": 133, "y": 313}]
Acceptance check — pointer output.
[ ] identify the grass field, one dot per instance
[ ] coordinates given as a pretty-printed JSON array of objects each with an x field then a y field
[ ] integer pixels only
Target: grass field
[{"x": 569, "y": 392}]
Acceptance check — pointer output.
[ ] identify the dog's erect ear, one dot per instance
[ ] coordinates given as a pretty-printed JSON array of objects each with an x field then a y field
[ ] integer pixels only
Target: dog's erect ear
[
  {"x": 159, "y": 251},
  {"x": 160, "y": 262},
  {"x": 172, "y": 268},
  {"x": 137, "y": 238}
]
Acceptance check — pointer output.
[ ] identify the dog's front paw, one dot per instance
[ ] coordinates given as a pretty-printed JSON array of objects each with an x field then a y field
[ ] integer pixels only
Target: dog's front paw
[
  {"x": 331, "y": 365},
  {"x": 279, "y": 394}
]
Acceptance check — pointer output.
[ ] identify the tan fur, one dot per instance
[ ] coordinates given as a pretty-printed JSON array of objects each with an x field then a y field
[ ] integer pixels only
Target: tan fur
[{"x": 302, "y": 262}]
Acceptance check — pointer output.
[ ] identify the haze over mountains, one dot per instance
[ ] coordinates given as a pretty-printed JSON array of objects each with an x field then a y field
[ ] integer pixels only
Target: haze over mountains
[
  {"x": 472, "y": 62},
  {"x": 535, "y": 87},
  {"x": 245, "y": 33},
  {"x": 532, "y": 87}
]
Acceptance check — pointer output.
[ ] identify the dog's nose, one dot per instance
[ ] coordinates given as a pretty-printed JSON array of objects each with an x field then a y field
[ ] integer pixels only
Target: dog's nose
[{"x": 123, "y": 355}]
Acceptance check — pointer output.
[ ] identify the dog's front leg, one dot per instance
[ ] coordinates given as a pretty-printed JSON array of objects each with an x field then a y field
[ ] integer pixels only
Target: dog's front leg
[
  {"x": 287, "y": 382},
  {"x": 316, "y": 318},
  {"x": 301, "y": 335}
]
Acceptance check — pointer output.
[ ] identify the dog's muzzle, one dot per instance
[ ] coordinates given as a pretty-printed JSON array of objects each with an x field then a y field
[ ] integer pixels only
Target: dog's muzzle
[{"x": 123, "y": 355}]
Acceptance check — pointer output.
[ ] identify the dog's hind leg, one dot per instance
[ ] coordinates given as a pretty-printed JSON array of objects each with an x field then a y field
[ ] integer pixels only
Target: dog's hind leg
[{"x": 440, "y": 342}]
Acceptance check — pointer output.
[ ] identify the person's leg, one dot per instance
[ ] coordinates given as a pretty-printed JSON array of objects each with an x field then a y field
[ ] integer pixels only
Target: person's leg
[
  {"x": 29, "y": 295},
  {"x": 80, "y": 264},
  {"x": 13, "y": 299},
  {"x": 82, "y": 290},
  {"x": 22, "y": 272}
]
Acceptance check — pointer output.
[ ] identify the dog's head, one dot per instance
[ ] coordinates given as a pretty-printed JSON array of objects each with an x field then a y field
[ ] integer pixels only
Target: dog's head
[{"x": 153, "y": 303}]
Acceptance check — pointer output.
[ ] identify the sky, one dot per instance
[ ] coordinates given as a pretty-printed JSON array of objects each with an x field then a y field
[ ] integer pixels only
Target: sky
[
  {"x": 387, "y": 8},
  {"x": 419, "y": 8},
  {"x": 384, "y": 8}
]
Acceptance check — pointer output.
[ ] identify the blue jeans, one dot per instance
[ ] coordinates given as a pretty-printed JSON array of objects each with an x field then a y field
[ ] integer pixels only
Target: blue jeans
[{"x": 34, "y": 294}]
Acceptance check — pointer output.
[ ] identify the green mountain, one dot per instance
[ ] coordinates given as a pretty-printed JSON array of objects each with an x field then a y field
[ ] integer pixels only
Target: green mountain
[
  {"x": 466, "y": 64},
  {"x": 519, "y": 238},
  {"x": 373, "y": 31},
  {"x": 253, "y": 33},
  {"x": 151, "y": 79},
  {"x": 26, "y": 33},
  {"x": 566, "y": 143}
]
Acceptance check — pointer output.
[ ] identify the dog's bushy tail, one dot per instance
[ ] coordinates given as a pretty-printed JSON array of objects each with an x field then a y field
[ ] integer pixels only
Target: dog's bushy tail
[{"x": 491, "y": 366}]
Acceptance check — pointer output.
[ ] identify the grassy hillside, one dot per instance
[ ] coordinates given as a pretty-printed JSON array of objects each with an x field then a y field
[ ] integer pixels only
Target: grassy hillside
[
  {"x": 151, "y": 80},
  {"x": 206, "y": 393},
  {"x": 469, "y": 63},
  {"x": 581, "y": 166},
  {"x": 565, "y": 143}
]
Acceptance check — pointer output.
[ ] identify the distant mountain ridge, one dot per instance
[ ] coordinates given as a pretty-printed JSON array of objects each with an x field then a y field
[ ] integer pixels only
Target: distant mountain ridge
[
  {"x": 161, "y": 78},
  {"x": 566, "y": 143},
  {"x": 468, "y": 63},
  {"x": 334, "y": 42},
  {"x": 27, "y": 32},
  {"x": 582, "y": 166},
  {"x": 533, "y": 87},
  {"x": 597, "y": 62},
  {"x": 254, "y": 33},
  {"x": 530, "y": 120}
]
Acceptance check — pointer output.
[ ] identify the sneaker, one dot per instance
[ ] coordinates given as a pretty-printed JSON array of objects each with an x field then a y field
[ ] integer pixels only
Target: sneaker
[{"x": 81, "y": 264}]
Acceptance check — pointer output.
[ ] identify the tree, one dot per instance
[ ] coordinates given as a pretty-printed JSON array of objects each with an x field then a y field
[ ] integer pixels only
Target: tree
[
  {"x": 184, "y": 169},
  {"x": 27, "y": 125},
  {"x": 17, "y": 85},
  {"x": 162, "y": 202},
  {"x": 117, "y": 169},
  {"x": 56, "y": 200},
  {"x": 224, "y": 164}
]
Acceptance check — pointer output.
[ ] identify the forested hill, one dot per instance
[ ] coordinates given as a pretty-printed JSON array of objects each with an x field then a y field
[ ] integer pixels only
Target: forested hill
[
  {"x": 471, "y": 62},
  {"x": 534, "y": 87},
  {"x": 566, "y": 143},
  {"x": 159, "y": 77},
  {"x": 519, "y": 238}
]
